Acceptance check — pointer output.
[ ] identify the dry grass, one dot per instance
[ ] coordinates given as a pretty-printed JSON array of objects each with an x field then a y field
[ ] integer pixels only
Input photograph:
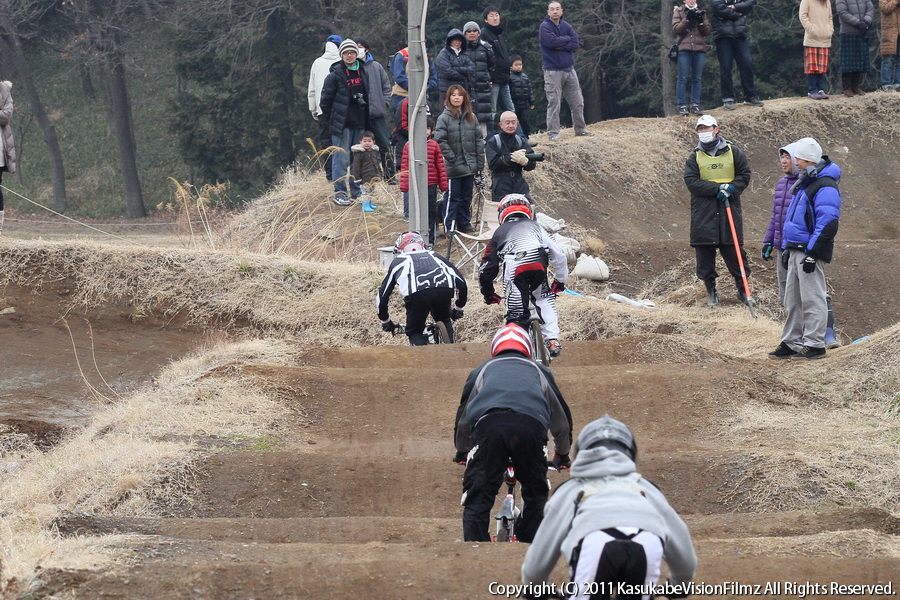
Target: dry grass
[
  {"x": 133, "y": 455},
  {"x": 860, "y": 543}
]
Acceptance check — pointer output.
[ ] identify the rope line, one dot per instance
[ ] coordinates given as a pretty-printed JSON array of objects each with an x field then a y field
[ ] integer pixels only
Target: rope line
[{"x": 47, "y": 208}]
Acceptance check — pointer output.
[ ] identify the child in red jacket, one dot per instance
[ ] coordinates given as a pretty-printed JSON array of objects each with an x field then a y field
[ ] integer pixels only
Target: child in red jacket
[{"x": 437, "y": 178}]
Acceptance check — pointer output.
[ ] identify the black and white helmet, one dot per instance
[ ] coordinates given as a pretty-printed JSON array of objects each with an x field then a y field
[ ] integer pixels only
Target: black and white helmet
[
  {"x": 408, "y": 242},
  {"x": 608, "y": 432},
  {"x": 514, "y": 204}
]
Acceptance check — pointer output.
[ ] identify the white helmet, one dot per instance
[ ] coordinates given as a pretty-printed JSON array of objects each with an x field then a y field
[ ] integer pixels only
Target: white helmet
[{"x": 513, "y": 204}]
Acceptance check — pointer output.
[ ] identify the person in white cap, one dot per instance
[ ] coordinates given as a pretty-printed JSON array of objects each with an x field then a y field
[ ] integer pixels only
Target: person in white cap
[
  {"x": 345, "y": 106},
  {"x": 715, "y": 171},
  {"x": 807, "y": 242}
]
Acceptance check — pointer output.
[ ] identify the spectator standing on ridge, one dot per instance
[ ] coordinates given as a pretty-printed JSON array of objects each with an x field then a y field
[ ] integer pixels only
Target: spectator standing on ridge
[
  {"x": 437, "y": 178},
  {"x": 730, "y": 30},
  {"x": 521, "y": 92},
  {"x": 379, "y": 86},
  {"x": 691, "y": 25},
  {"x": 508, "y": 403},
  {"x": 8, "y": 151},
  {"x": 856, "y": 18},
  {"x": 492, "y": 33},
  {"x": 610, "y": 524},
  {"x": 558, "y": 44},
  {"x": 462, "y": 145},
  {"x": 818, "y": 25},
  {"x": 715, "y": 171},
  {"x": 506, "y": 157},
  {"x": 890, "y": 45},
  {"x": 808, "y": 243},
  {"x": 398, "y": 66},
  {"x": 345, "y": 105},
  {"x": 482, "y": 56},
  {"x": 317, "y": 74},
  {"x": 454, "y": 67}
]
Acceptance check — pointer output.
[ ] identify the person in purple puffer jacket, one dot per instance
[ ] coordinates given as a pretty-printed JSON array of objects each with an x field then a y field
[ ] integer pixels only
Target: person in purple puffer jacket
[{"x": 772, "y": 240}]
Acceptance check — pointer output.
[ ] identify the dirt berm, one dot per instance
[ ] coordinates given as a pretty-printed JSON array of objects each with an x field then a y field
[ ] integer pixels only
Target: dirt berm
[{"x": 230, "y": 422}]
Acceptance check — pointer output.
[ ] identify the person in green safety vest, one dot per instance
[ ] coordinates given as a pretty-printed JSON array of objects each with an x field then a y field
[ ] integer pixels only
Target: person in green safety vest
[{"x": 716, "y": 171}]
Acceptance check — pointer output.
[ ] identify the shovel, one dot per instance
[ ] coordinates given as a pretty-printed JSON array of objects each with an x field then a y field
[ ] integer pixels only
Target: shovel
[{"x": 751, "y": 303}]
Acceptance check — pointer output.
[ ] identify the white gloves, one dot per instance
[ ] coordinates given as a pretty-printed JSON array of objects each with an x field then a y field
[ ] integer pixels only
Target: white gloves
[{"x": 518, "y": 157}]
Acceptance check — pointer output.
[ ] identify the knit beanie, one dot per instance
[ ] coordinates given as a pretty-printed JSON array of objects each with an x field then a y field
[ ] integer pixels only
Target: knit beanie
[
  {"x": 348, "y": 45},
  {"x": 471, "y": 26},
  {"x": 808, "y": 149}
]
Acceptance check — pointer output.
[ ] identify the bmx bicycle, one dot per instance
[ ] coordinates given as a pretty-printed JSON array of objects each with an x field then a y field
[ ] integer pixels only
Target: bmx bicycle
[
  {"x": 435, "y": 332},
  {"x": 509, "y": 512}
]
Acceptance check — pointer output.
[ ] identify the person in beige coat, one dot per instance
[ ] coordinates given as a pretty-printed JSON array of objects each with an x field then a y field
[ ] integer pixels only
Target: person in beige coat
[
  {"x": 890, "y": 45},
  {"x": 818, "y": 27},
  {"x": 8, "y": 151}
]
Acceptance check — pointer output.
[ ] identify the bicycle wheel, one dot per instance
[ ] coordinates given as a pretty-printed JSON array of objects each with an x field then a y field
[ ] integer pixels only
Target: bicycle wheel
[
  {"x": 541, "y": 354},
  {"x": 441, "y": 335}
]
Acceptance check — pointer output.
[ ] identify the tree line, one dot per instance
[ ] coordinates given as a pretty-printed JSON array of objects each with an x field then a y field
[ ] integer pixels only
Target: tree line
[{"x": 239, "y": 110}]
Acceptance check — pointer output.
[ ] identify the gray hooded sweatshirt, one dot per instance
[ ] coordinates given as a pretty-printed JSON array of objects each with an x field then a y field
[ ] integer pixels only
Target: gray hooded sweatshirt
[{"x": 614, "y": 496}]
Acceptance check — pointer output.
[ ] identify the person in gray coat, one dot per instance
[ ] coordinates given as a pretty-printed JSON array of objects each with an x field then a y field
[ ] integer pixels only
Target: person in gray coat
[
  {"x": 378, "y": 86},
  {"x": 613, "y": 527},
  {"x": 857, "y": 17}
]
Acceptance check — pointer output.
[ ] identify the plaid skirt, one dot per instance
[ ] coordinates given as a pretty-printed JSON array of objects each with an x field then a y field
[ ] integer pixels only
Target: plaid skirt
[
  {"x": 854, "y": 53},
  {"x": 815, "y": 60}
]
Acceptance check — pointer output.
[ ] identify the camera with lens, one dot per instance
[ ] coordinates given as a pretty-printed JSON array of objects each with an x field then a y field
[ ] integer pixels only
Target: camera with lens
[
  {"x": 695, "y": 14},
  {"x": 360, "y": 99},
  {"x": 535, "y": 156}
]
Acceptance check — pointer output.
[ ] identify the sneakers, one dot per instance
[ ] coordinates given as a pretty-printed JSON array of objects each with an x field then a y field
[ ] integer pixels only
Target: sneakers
[
  {"x": 754, "y": 101},
  {"x": 342, "y": 200},
  {"x": 553, "y": 137},
  {"x": 810, "y": 353},
  {"x": 821, "y": 95},
  {"x": 888, "y": 88},
  {"x": 729, "y": 104},
  {"x": 554, "y": 347},
  {"x": 695, "y": 109},
  {"x": 683, "y": 111},
  {"x": 583, "y": 133},
  {"x": 782, "y": 351}
]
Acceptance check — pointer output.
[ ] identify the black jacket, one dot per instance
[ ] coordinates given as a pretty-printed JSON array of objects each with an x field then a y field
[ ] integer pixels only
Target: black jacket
[
  {"x": 729, "y": 18},
  {"x": 709, "y": 221},
  {"x": 506, "y": 175},
  {"x": 454, "y": 68},
  {"x": 521, "y": 90},
  {"x": 335, "y": 100},
  {"x": 494, "y": 36},
  {"x": 482, "y": 57}
]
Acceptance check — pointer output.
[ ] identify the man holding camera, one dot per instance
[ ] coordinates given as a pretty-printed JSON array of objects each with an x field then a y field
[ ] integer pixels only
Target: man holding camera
[
  {"x": 730, "y": 28},
  {"x": 345, "y": 108},
  {"x": 508, "y": 155}
]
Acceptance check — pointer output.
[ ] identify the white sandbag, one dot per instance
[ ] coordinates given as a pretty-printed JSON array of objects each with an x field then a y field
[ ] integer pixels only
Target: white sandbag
[
  {"x": 591, "y": 268},
  {"x": 627, "y": 300},
  {"x": 550, "y": 224},
  {"x": 569, "y": 246}
]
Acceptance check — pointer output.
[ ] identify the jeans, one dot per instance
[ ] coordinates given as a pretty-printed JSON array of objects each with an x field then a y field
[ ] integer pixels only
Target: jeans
[
  {"x": 690, "y": 68},
  {"x": 340, "y": 163},
  {"x": 816, "y": 82},
  {"x": 556, "y": 85},
  {"x": 731, "y": 50},
  {"x": 890, "y": 69},
  {"x": 500, "y": 98}
]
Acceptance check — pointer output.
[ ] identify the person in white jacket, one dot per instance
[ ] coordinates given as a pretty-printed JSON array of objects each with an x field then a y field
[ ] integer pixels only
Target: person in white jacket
[
  {"x": 613, "y": 526},
  {"x": 317, "y": 74}
]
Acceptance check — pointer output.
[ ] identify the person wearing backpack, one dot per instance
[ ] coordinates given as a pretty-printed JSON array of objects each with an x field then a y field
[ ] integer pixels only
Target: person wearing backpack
[
  {"x": 611, "y": 525},
  {"x": 507, "y": 159},
  {"x": 807, "y": 243}
]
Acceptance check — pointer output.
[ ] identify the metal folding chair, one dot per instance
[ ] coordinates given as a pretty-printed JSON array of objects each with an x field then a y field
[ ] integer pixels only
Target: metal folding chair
[{"x": 466, "y": 249}]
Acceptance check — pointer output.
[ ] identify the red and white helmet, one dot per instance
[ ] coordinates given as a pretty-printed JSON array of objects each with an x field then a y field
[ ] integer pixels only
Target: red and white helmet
[
  {"x": 512, "y": 337},
  {"x": 408, "y": 242},
  {"x": 513, "y": 204}
]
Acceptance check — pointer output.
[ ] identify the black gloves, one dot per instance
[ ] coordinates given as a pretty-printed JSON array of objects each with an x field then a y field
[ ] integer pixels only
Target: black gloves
[
  {"x": 863, "y": 26},
  {"x": 809, "y": 264},
  {"x": 456, "y": 313},
  {"x": 767, "y": 251},
  {"x": 695, "y": 14},
  {"x": 493, "y": 298},
  {"x": 388, "y": 326},
  {"x": 560, "y": 462},
  {"x": 459, "y": 458},
  {"x": 558, "y": 287}
]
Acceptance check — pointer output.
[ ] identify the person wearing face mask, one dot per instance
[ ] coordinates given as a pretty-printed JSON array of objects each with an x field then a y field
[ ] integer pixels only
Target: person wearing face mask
[{"x": 716, "y": 171}]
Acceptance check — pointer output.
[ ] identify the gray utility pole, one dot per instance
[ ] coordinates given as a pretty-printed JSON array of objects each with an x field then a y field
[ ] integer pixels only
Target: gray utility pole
[{"x": 418, "y": 139}]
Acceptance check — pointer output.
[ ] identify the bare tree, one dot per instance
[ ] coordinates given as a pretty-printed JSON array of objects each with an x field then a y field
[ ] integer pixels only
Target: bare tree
[{"x": 18, "y": 20}]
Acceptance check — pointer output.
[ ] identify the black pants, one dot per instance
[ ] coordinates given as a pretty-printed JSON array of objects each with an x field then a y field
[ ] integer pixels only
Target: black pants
[
  {"x": 501, "y": 438},
  {"x": 706, "y": 263},
  {"x": 522, "y": 114},
  {"x": 325, "y": 142},
  {"x": 434, "y": 301}
]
